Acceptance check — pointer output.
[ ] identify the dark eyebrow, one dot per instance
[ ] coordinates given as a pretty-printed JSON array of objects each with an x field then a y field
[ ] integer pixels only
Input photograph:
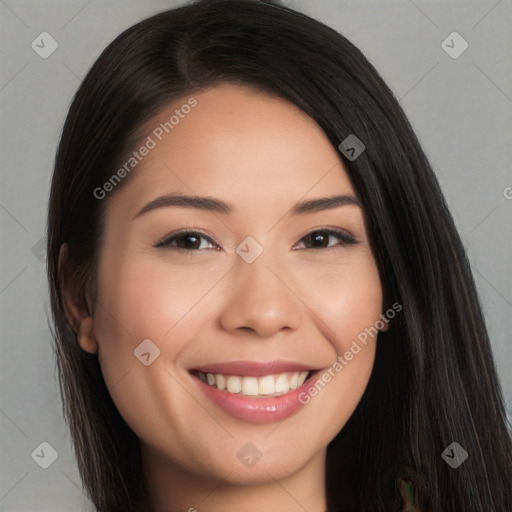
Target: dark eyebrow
[
  {"x": 202, "y": 203},
  {"x": 324, "y": 203},
  {"x": 216, "y": 205}
]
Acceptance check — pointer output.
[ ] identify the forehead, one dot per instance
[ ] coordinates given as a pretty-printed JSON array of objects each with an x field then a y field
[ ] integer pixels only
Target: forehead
[{"x": 237, "y": 143}]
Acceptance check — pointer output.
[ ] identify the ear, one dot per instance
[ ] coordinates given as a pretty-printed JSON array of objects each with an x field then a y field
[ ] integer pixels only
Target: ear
[{"x": 75, "y": 303}]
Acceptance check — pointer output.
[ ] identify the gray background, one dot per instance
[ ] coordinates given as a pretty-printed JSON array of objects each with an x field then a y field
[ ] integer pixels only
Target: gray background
[{"x": 461, "y": 109}]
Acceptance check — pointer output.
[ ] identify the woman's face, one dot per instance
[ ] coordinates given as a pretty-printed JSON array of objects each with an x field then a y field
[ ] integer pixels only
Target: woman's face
[{"x": 262, "y": 290}]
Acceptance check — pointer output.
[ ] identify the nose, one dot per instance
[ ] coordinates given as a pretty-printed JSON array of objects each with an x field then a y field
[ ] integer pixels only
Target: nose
[{"x": 261, "y": 299}]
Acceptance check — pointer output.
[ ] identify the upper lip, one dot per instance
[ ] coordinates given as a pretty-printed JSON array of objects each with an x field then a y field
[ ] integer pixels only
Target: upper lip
[{"x": 253, "y": 368}]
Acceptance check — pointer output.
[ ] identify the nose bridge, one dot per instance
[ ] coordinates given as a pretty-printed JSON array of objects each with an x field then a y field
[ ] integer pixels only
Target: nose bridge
[
  {"x": 259, "y": 297},
  {"x": 259, "y": 277}
]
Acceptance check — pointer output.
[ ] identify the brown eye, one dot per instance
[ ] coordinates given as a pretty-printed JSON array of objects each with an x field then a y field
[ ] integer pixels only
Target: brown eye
[
  {"x": 185, "y": 240},
  {"x": 320, "y": 239}
]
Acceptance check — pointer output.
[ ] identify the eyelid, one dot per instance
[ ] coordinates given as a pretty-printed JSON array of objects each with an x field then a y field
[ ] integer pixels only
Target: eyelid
[
  {"x": 163, "y": 242},
  {"x": 346, "y": 238}
]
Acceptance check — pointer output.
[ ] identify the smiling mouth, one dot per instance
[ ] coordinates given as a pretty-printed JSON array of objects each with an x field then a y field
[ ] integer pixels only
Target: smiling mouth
[{"x": 271, "y": 385}]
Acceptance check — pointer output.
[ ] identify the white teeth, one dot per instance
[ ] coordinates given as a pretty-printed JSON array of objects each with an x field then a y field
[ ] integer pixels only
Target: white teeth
[
  {"x": 250, "y": 386},
  {"x": 282, "y": 384},
  {"x": 220, "y": 381},
  {"x": 234, "y": 384},
  {"x": 302, "y": 378},
  {"x": 268, "y": 385}
]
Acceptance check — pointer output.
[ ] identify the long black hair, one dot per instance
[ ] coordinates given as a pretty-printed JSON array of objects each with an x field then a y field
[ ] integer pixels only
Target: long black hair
[{"x": 434, "y": 381}]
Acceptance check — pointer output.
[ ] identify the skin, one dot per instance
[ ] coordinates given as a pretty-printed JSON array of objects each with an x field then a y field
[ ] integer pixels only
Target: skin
[{"x": 294, "y": 302}]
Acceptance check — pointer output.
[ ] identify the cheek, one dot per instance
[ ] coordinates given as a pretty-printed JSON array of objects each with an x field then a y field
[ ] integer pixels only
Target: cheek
[
  {"x": 346, "y": 297},
  {"x": 334, "y": 396},
  {"x": 139, "y": 300},
  {"x": 347, "y": 306}
]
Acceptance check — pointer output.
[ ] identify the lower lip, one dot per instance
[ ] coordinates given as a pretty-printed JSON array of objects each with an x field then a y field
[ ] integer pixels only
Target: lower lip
[{"x": 257, "y": 410}]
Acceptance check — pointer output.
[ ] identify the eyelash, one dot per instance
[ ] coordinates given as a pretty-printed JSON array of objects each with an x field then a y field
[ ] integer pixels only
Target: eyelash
[{"x": 346, "y": 239}]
